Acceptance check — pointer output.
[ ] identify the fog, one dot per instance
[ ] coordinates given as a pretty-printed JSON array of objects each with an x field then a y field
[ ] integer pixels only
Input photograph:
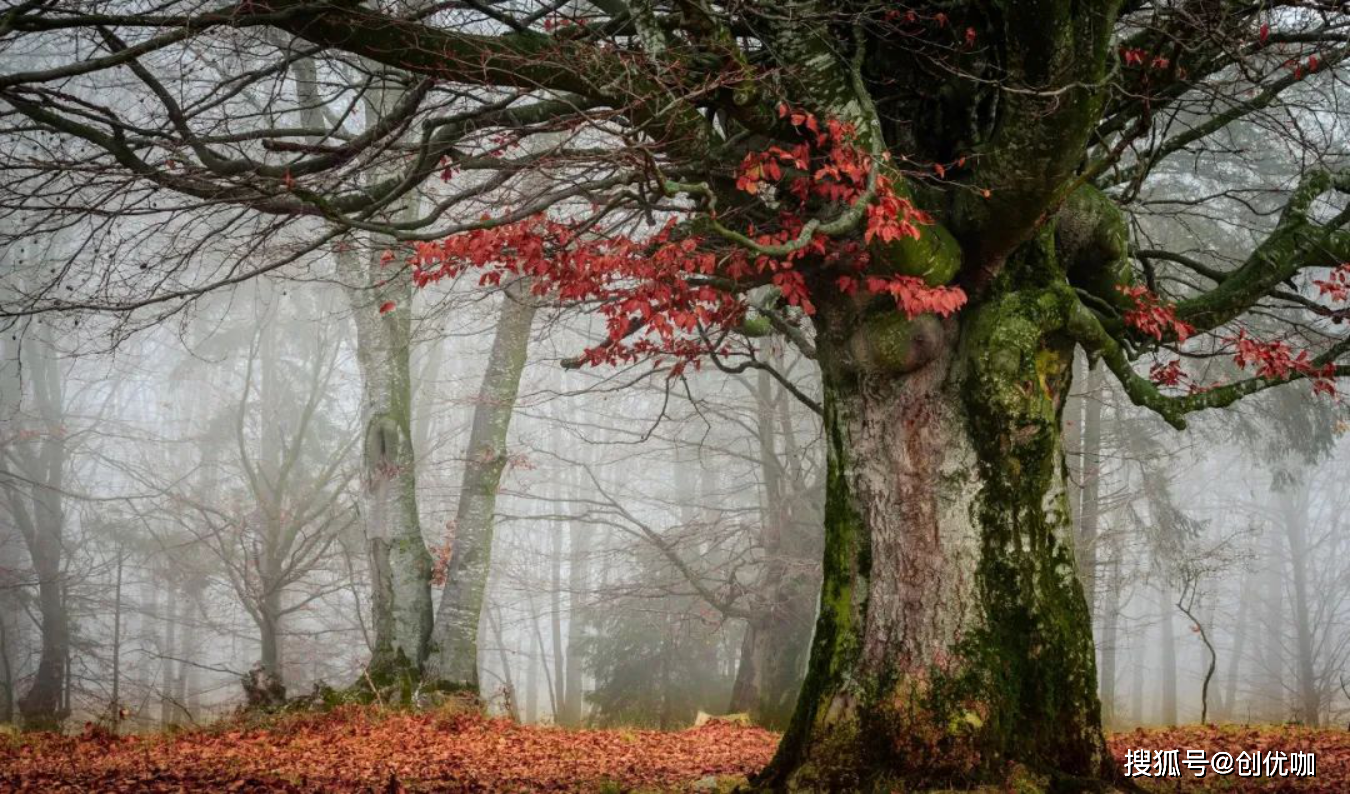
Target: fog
[
  {"x": 231, "y": 435},
  {"x": 631, "y": 539}
]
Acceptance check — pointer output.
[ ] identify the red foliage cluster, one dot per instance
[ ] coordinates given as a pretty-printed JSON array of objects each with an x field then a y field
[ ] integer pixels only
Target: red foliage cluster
[
  {"x": 1277, "y": 361},
  {"x": 665, "y": 295},
  {"x": 1169, "y": 374},
  {"x": 1336, "y": 285},
  {"x": 1152, "y": 317},
  {"x": 1331, "y": 747},
  {"x": 359, "y": 749}
]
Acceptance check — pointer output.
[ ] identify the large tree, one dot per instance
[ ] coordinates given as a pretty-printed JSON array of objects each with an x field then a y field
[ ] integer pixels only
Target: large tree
[{"x": 933, "y": 201}]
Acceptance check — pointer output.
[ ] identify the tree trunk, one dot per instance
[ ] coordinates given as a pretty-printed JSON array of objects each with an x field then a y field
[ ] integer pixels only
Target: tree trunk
[
  {"x": 1296, "y": 531},
  {"x": 953, "y": 635},
  {"x": 454, "y": 656},
  {"x": 115, "y": 704},
  {"x": 40, "y": 518},
  {"x": 1090, "y": 506},
  {"x": 7, "y": 671},
  {"x": 559, "y": 668},
  {"x": 1275, "y": 621},
  {"x": 1110, "y": 616},
  {"x": 399, "y": 562},
  {"x": 269, "y": 629},
  {"x": 1167, "y": 649},
  {"x": 1229, "y": 708},
  {"x": 508, "y": 681},
  {"x": 381, "y": 303},
  {"x": 578, "y": 580},
  {"x": 773, "y": 651},
  {"x": 534, "y": 658},
  {"x": 168, "y": 651}
]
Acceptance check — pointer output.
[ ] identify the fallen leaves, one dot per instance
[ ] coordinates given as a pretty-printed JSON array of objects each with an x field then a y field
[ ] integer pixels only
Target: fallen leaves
[
  {"x": 362, "y": 749},
  {"x": 365, "y": 749}
]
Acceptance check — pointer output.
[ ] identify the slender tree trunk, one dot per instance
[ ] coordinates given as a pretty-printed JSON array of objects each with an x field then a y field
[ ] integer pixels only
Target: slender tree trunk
[
  {"x": 1296, "y": 532},
  {"x": 508, "y": 681},
  {"x": 1090, "y": 515},
  {"x": 115, "y": 707},
  {"x": 745, "y": 687},
  {"x": 1275, "y": 620},
  {"x": 399, "y": 562},
  {"x": 1167, "y": 661},
  {"x": 7, "y": 670},
  {"x": 40, "y": 518},
  {"x": 532, "y": 677},
  {"x": 1239, "y": 648},
  {"x": 773, "y": 651},
  {"x": 578, "y": 580},
  {"x": 187, "y": 651},
  {"x": 168, "y": 651},
  {"x": 951, "y": 615},
  {"x": 42, "y": 706},
  {"x": 1110, "y": 617},
  {"x": 455, "y": 637},
  {"x": 559, "y": 654},
  {"x": 400, "y": 566}
]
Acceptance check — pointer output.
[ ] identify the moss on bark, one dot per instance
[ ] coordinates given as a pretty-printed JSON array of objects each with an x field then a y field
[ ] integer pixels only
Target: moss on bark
[{"x": 1008, "y": 676}]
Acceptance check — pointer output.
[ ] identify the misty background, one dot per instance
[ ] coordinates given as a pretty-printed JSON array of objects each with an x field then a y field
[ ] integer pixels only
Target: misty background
[{"x": 181, "y": 479}]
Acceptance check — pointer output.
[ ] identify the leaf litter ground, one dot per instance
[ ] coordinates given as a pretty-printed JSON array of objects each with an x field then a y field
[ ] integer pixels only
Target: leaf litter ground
[{"x": 355, "y": 749}]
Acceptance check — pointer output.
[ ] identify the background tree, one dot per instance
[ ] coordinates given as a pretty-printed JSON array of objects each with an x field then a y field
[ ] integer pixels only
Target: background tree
[{"x": 937, "y": 202}]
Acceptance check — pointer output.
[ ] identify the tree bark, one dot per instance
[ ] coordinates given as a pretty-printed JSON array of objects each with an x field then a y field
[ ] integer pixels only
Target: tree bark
[
  {"x": 399, "y": 562},
  {"x": 400, "y": 565},
  {"x": 953, "y": 635},
  {"x": 454, "y": 655}
]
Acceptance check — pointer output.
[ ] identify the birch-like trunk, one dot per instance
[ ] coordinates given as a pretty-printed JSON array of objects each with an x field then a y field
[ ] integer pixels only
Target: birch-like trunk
[
  {"x": 381, "y": 303},
  {"x": 454, "y": 656},
  {"x": 578, "y": 581},
  {"x": 400, "y": 565}
]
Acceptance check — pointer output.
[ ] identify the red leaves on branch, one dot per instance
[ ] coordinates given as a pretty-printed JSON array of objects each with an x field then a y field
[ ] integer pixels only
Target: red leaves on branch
[
  {"x": 1336, "y": 285},
  {"x": 363, "y": 749},
  {"x": 1277, "y": 361},
  {"x": 1169, "y": 374},
  {"x": 1152, "y": 317},
  {"x": 386, "y": 307},
  {"x": 666, "y": 295}
]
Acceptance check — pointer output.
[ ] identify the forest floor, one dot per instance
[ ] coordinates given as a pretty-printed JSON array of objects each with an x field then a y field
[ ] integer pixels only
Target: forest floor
[{"x": 356, "y": 749}]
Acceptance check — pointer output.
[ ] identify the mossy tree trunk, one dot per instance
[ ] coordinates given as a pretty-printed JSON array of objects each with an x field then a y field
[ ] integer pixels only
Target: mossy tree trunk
[{"x": 953, "y": 637}]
